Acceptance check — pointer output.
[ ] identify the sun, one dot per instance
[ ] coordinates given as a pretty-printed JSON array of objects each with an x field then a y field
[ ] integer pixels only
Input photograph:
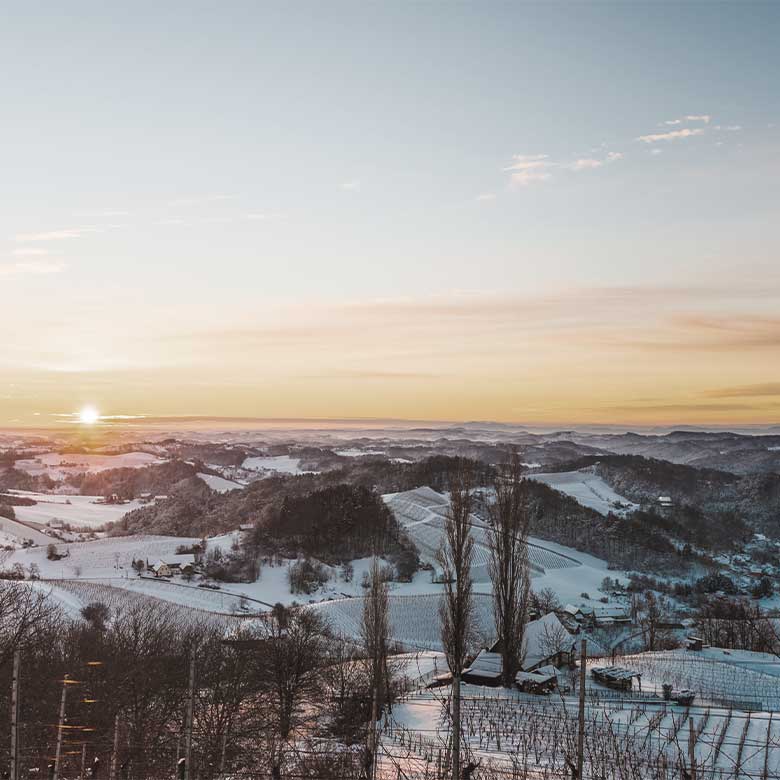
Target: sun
[{"x": 88, "y": 415}]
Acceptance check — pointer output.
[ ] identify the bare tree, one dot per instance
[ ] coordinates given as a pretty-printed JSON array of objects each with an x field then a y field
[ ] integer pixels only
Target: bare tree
[
  {"x": 375, "y": 633},
  {"x": 457, "y": 608},
  {"x": 508, "y": 567},
  {"x": 26, "y": 614},
  {"x": 290, "y": 664}
]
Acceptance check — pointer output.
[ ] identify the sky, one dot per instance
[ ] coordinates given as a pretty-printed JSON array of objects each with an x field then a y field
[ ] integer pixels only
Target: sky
[{"x": 554, "y": 212}]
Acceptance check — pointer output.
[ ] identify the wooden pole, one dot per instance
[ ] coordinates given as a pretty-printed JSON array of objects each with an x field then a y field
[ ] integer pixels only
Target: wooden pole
[
  {"x": 60, "y": 728},
  {"x": 581, "y": 715},
  {"x": 190, "y": 704},
  {"x": 691, "y": 748},
  {"x": 15, "y": 715},
  {"x": 456, "y": 726},
  {"x": 115, "y": 750}
]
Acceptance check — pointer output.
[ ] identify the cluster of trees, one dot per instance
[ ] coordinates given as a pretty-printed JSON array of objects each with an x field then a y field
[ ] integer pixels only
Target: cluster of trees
[
  {"x": 194, "y": 510},
  {"x": 337, "y": 523},
  {"x": 738, "y": 624},
  {"x": 267, "y": 694},
  {"x": 717, "y": 495},
  {"x": 129, "y": 483}
]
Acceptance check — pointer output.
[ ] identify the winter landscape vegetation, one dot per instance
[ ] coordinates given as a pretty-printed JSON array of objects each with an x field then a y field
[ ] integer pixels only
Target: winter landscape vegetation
[{"x": 390, "y": 390}]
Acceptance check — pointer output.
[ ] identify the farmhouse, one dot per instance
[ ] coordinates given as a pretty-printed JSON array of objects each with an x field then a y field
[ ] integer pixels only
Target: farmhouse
[
  {"x": 174, "y": 564},
  {"x": 546, "y": 643}
]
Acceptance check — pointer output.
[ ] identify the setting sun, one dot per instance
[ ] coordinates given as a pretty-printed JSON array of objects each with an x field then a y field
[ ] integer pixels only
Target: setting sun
[{"x": 89, "y": 415}]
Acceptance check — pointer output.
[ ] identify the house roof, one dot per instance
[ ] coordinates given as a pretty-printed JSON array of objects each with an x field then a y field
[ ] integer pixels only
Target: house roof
[
  {"x": 181, "y": 559},
  {"x": 487, "y": 665},
  {"x": 608, "y": 611},
  {"x": 537, "y": 636}
]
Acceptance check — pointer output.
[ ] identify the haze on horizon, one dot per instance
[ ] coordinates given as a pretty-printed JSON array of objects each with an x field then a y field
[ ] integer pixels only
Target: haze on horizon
[{"x": 525, "y": 212}]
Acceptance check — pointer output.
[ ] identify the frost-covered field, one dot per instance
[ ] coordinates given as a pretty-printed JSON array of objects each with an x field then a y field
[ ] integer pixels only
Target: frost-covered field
[
  {"x": 77, "y": 511},
  {"x": 109, "y": 557},
  {"x": 281, "y": 464},
  {"x": 588, "y": 489},
  {"x": 414, "y": 620},
  {"x": 186, "y": 595},
  {"x": 421, "y": 512},
  {"x": 514, "y": 729},
  {"x": 220, "y": 484},
  {"x": 742, "y": 683},
  {"x": 75, "y": 594},
  {"x": 58, "y": 466}
]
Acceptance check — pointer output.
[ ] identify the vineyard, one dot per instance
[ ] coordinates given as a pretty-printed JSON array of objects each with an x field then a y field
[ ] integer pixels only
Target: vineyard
[
  {"x": 414, "y": 620},
  {"x": 514, "y": 732},
  {"x": 83, "y": 592},
  {"x": 712, "y": 680},
  {"x": 422, "y": 511}
]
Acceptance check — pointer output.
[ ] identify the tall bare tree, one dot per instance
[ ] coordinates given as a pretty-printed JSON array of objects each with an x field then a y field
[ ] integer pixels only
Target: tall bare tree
[
  {"x": 375, "y": 633},
  {"x": 457, "y": 607},
  {"x": 509, "y": 569}
]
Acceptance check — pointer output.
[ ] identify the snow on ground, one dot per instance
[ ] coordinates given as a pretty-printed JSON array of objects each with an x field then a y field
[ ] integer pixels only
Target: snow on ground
[
  {"x": 414, "y": 620},
  {"x": 588, "y": 489},
  {"x": 220, "y": 484},
  {"x": 353, "y": 452},
  {"x": 109, "y": 557},
  {"x": 73, "y": 595},
  {"x": 504, "y": 726},
  {"x": 16, "y": 532},
  {"x": 77, "y": 511},
  {"x": 186, "y": 595},
  {"x": 280, "y": 464},
  {"x": 58, "y": 466},
  {"x": 728, "y": 677}
]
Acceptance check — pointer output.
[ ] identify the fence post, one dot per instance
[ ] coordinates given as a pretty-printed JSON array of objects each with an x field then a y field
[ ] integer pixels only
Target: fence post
[
  {"x": 581, "y": 717},
  {"x": 60, "y": 728},
  {"x": 190, "y": 703}
]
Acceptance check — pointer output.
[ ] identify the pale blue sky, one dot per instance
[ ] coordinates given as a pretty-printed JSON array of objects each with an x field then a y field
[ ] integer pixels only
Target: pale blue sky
[{"x": 191, "y": 164}]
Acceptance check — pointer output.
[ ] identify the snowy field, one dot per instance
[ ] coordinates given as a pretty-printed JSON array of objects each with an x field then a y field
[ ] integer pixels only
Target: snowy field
[
  {"x": 187, "y": 595},
  {"x": 588, "y": 489},
  {"x": 73, "y": 595},
  {"x": 58, "y": 466},
  {"x": 568, "y": 572},
  {"x": 738, "y": 677},
  {"x": 422, "y": 512},
  {"x": 220, "y": 484},
  {"x": 109, "y": 557},
  {"x": 278, "y": 464},
  {"x": 509, "y": 728},
  {"x": 414, "y": 620},
  {"x": 77, "y": 511}
]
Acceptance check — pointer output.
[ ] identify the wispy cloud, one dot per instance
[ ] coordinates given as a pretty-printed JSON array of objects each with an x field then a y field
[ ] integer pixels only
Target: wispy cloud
[
  {"x": 763, "y": 390},
  {"x": 353, "y": 185},
  {"x": 672, "y": 135},
  {"x": 32, "y": 268},
  {"x": 706, "y": 118},
  {"x": 486, "y": 196},
  {"x": 532, "y": 168},
  {"x": 56, "y": 235}
]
